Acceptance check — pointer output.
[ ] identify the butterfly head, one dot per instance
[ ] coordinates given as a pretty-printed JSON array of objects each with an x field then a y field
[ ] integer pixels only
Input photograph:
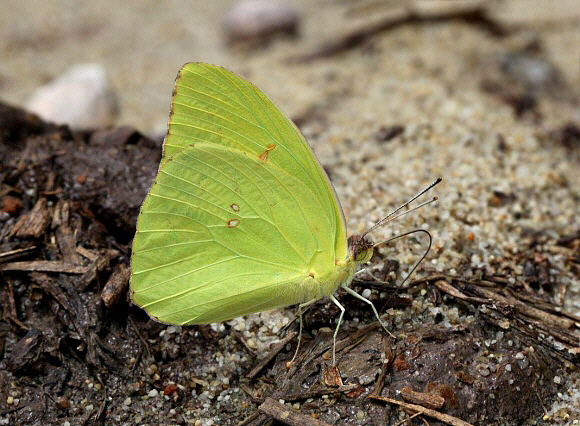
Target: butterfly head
[{"x": 361, "y": 248}]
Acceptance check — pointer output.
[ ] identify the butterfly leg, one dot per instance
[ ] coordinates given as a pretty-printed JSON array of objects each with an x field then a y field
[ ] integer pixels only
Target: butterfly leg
[
  {"x": 369, "y": 271},
  {"x": 358, "y": 296},
  {"x": 300, "y": 307},
  {"x": 337, "y": 303}
]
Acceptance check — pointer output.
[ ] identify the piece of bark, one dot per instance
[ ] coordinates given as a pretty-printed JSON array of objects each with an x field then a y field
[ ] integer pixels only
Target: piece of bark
[
  {"x": 332, "y": 377},
  {"x": 116, "y": 286},
  {"x": 288, "y": 415},
  {"x": 34, "y": 223},
  {"x": 9, "y": 304},
  {"x": 67, "y": 245},
  {"x": 25, "y": 352}
]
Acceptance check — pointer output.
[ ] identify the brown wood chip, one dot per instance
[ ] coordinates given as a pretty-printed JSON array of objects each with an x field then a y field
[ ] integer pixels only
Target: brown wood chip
[
  {"x": 35, "y": 222},
  {"x": 116, "y": 286},
  {"x": 332, "y": 377}
]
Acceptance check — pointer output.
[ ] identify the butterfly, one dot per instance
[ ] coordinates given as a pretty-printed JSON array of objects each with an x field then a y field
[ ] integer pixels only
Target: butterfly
[{"x": 241, "y": 218}]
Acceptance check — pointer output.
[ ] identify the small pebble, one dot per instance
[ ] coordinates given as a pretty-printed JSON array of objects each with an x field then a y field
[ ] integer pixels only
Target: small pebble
[
  {"x": 81, "y": 97},
  {"x": 259, "y": 19}
]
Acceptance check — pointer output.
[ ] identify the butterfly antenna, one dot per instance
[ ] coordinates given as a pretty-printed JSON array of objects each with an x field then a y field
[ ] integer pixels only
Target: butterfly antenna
[
  {"x": 420, "y": 259},
  {"x": 389, "y": 217}
]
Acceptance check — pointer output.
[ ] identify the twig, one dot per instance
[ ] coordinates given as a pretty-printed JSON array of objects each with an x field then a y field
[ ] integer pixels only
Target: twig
[
  {"x": 16, "y": 253},
  {"x": 275, "y": 350},
  {"x": 45, "y": 266},
  {"x": 139, "y": 335},
  {"x": 390, "y": 357},
  {"x": 474, "y": 14},
  {"x": 445, "y": 287},
  {"x": 445, "y": 418},
  {"x": 104, "y": 402},
  {"x": 407, "y": 419},
  {"x": 240, "y": 338}
]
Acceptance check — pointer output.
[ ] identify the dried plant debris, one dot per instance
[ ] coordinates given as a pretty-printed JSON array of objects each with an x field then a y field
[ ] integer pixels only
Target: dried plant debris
[
  {"x": 412, "y": 13},
  {"x": 522, "y": 77}
]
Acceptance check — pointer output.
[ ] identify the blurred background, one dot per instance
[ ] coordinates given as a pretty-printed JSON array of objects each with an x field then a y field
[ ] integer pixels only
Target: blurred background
[{"x": 142, "y": 44}]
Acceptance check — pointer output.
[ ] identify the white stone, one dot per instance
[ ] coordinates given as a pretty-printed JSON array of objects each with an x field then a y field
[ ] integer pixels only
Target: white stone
[
  {"x": 255, "y": 19},
  {"x": 81, "y": 97}
]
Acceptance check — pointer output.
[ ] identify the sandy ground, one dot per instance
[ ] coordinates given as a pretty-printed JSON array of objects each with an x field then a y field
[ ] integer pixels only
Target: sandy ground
[{"x": 426, "y": 78}]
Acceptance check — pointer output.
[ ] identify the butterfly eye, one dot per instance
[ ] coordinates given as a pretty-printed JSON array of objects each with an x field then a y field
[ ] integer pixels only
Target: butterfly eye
[{"x": 364, "y": 255}]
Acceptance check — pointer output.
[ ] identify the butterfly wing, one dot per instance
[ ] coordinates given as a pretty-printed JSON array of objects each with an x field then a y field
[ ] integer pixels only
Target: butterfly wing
[{"x": 241, "y": 217}]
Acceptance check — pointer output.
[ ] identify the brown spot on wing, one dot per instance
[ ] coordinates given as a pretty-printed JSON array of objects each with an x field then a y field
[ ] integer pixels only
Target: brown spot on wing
[
  {"x": 264, "y": 155},
  {"x": 232, "y": 223}
]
